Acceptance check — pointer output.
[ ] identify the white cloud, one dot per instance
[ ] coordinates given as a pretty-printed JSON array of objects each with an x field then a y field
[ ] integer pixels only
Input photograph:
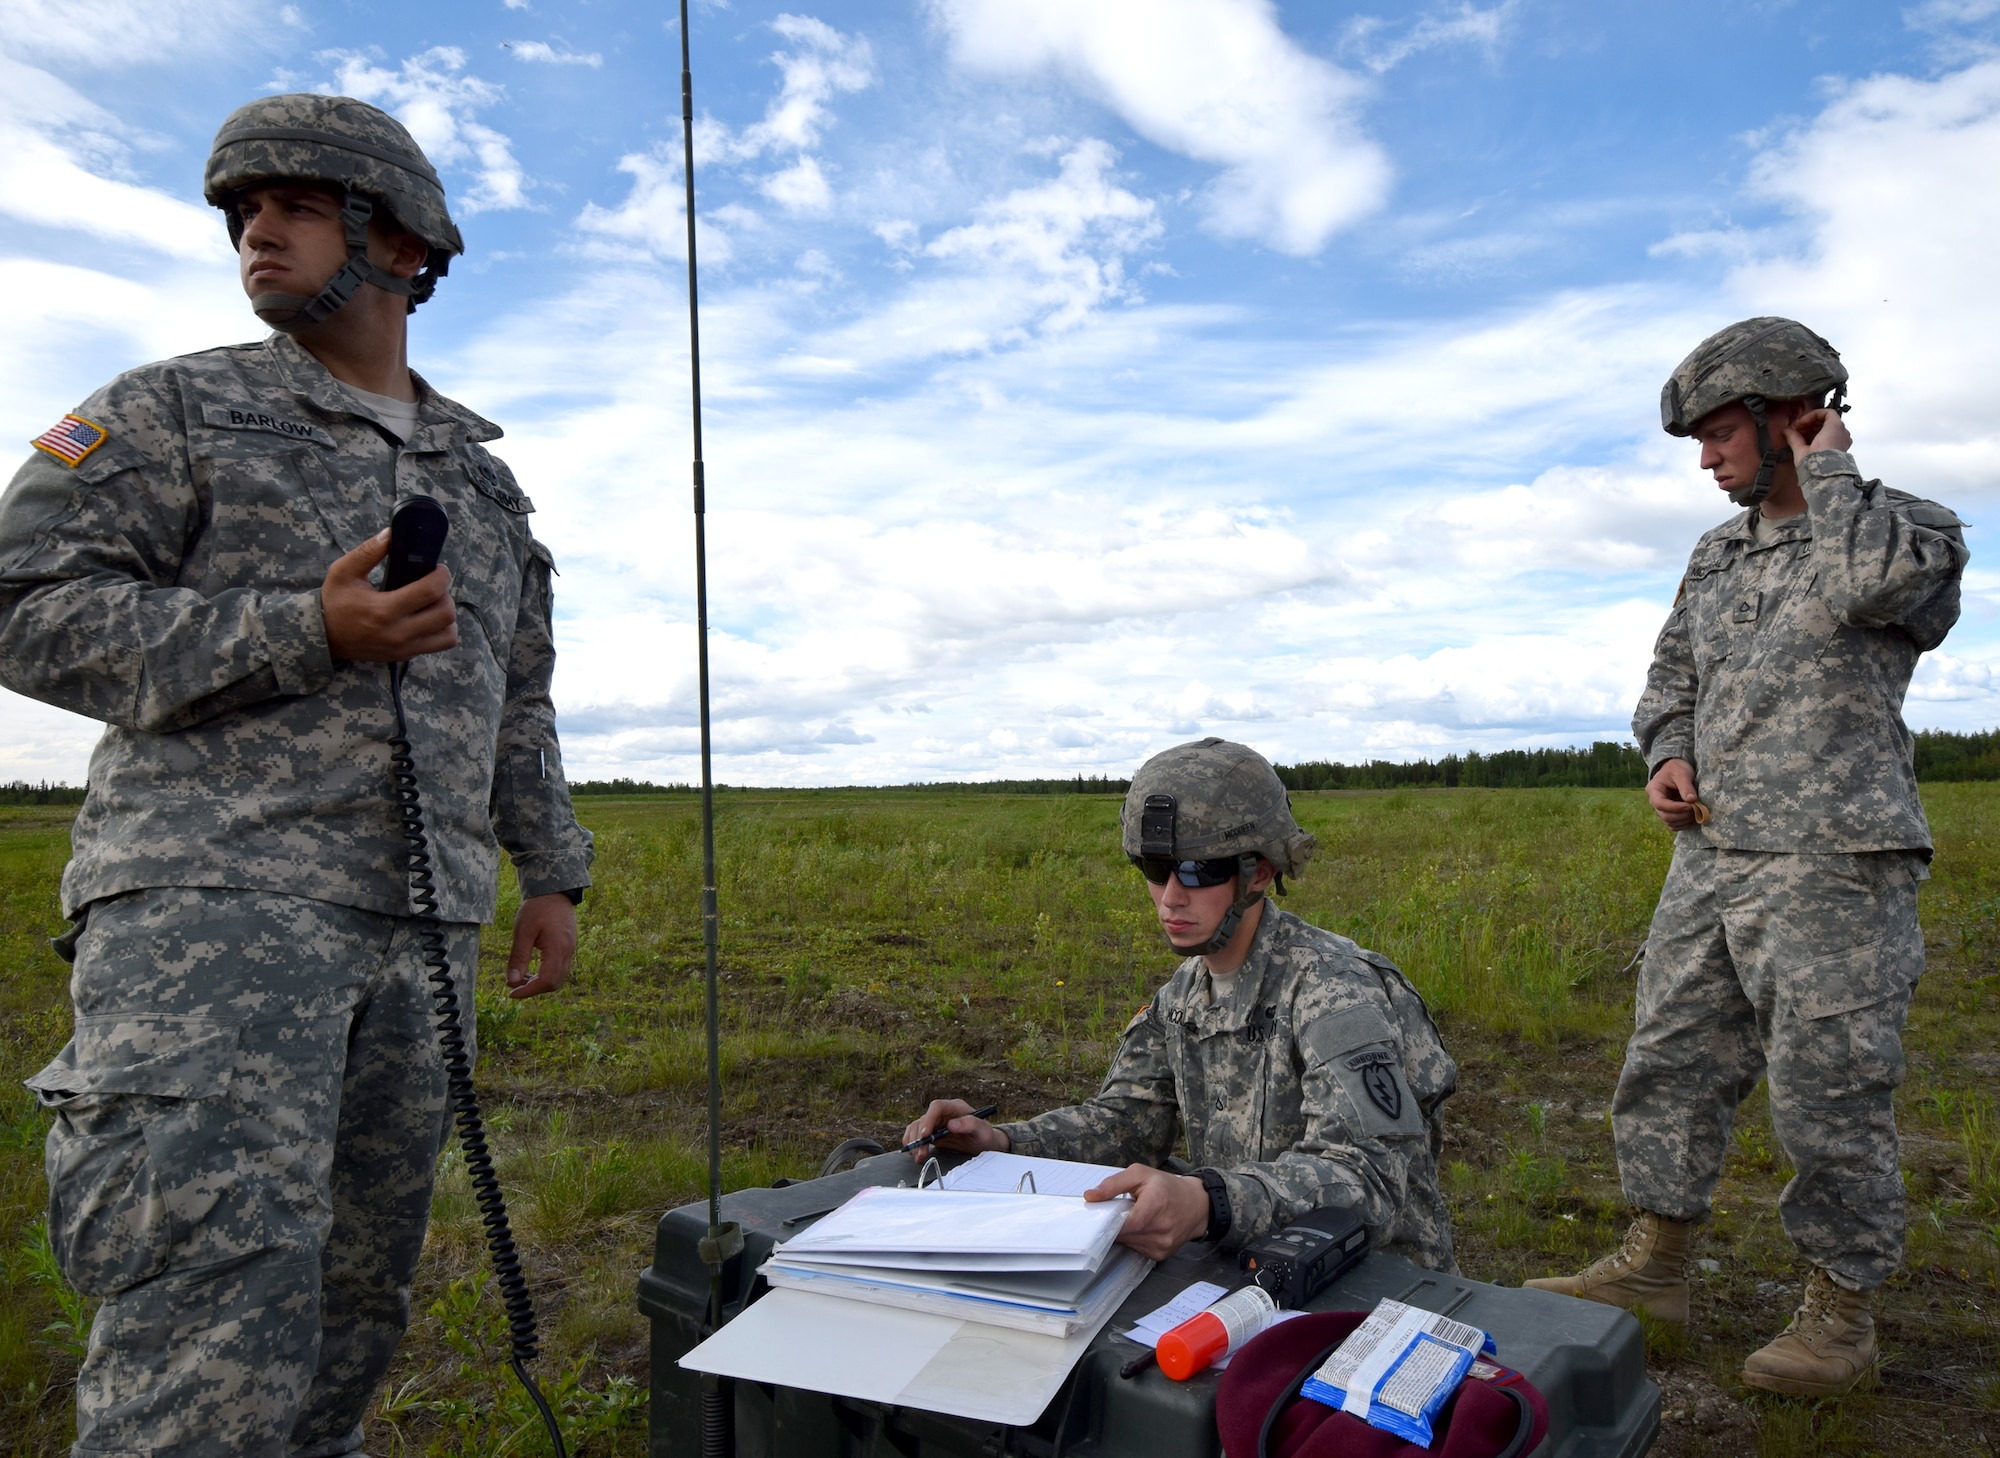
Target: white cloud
[
  {"x": 432, "y": 96},
  {"x": 799, "y": 188},
  {"x": 1034, "y": 262},
  {"x": 97, "y": 34},
  {"x": 1059, "y": 525},
  {"x": 1940, "y": 14},
  {"x": 821, "y": 64},
  {"x": 547, "y": 54},
  {"x": 1215, "y": 80},
  {"x": 1897, "y": 186},
  {"x": 1063, "y": 242},
  {"x": 65, "y": 163},
  {"x": 1947, "y": 677},
  {"x": 652, "y": 221},
  {"x": 1381, "y": 45},
  {"x": 1385, "y": 516}
]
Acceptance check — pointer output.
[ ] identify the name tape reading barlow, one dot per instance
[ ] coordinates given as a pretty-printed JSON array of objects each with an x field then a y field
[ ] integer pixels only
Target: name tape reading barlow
[{"x": 235, "y": 417}]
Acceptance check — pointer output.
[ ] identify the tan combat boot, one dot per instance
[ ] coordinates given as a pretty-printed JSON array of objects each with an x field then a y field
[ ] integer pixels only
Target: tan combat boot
[
  {"x": 1829, "y": 1348},
  {"x": 1649, "y": 1272}
]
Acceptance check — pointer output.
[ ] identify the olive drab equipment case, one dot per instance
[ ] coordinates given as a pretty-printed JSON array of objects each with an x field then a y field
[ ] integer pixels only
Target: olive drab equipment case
[{"x": 1587, "y": 1360}]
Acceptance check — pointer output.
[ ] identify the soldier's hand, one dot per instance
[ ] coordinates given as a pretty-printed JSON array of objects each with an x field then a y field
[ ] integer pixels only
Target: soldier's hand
[
  {"x": 1672, "y": 793},
  {"x": 1817, "y": 430},
  {"x": 368, "y": 626},
  {"x": 967, "y": 1135},
  {"x": 544, "y": 924},
  {"x": 1168, "y": 1210}
]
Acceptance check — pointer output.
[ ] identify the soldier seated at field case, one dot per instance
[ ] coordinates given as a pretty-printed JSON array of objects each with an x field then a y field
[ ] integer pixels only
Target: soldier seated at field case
[
  {"x": 1304, "y": 1070},
  {"x": 1786, "y": 943}
]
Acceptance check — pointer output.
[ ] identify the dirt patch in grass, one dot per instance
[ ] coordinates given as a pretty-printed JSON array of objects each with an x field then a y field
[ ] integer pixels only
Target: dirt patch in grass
[{"x": 881, "y": 949}]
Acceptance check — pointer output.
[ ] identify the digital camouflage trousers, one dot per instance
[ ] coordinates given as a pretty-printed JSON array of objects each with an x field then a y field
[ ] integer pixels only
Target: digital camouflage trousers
[
  {"x": 246, "y": 1125},
  {"x": 1798, "y": 968}
]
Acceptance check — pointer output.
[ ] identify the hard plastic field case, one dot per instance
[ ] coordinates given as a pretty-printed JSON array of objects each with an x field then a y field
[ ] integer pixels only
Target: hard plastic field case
[{"x": 1588, "y": 1360}]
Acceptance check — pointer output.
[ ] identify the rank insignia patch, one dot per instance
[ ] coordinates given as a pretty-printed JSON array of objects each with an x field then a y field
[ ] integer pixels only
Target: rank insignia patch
[{"x": 70, "y": 439}]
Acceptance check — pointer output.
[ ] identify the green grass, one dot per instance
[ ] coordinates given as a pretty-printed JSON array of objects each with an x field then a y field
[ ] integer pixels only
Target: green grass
[{"x": 883, "y": 948}]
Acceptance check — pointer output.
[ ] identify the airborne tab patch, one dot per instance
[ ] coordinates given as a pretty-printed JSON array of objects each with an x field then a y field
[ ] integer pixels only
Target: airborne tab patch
[
  {"x": 245, "y": 417},
  {"x": 70, "y": 439}
]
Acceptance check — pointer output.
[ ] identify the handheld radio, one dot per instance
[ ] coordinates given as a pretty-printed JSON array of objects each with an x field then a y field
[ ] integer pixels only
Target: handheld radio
[
  {"x": 417, "y": 530},
  {"x": 1297, "y": 1263},
  {"x": 416, "y": 541}
]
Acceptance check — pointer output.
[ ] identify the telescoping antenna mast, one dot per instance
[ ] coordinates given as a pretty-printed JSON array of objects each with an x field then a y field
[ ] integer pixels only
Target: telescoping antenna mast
[{"x": 725, "y": 1239}]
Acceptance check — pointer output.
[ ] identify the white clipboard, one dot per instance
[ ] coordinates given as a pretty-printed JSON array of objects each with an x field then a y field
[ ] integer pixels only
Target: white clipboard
[{"x": 880, "y": 1354}]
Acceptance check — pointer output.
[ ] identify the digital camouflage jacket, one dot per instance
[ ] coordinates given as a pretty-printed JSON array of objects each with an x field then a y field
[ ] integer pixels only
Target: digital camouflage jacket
[
  {"x": 1781, "y": 671},
  {"x": 161, "y": 555},
  {"x": 1315, "y": 1080}
]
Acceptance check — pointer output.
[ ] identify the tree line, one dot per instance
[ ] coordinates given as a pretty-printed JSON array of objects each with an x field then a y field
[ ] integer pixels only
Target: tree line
[{"x": 1606, "y": 765}]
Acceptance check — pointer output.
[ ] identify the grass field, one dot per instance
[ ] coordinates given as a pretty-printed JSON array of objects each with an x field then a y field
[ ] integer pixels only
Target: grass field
[{"x": 882, "y": 948}]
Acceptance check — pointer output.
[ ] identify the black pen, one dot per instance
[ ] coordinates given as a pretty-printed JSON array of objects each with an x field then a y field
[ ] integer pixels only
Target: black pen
[
  {"x": 1139, "y": 1363},
  {"x": 942, "y": 1130}
]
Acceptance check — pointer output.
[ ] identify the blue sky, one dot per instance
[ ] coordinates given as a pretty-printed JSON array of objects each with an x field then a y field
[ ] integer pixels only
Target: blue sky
[{"x": 1083, "y": 377}]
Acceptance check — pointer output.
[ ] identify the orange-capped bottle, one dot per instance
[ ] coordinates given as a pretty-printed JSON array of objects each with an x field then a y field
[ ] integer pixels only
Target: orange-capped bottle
[{"x": 1209, "y": 1336}]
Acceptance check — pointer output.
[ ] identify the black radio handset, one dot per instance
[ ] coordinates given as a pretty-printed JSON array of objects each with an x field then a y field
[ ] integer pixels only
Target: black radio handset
[
  {"x": 417, "y": 531},
  {"x": 416, "y": 541}
]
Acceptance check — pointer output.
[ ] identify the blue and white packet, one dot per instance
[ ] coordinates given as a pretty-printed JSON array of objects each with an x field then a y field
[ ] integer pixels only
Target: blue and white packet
[{"x": 1398, "y": 1368}]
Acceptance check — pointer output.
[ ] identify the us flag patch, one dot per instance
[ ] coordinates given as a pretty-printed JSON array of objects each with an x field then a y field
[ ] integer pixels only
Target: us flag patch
[{"x": 70, "y": 439}]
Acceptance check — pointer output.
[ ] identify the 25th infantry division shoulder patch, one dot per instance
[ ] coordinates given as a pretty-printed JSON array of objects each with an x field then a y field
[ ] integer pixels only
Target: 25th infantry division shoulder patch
[{"x": 70, "y": 439}]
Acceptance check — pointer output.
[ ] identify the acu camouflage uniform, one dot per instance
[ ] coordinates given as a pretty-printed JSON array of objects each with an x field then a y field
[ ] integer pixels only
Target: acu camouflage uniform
[
  {"x": 1314, "y": 1078},
  {"x": 249, "y": 1113},
  {"x": 1786, "y": 940}
]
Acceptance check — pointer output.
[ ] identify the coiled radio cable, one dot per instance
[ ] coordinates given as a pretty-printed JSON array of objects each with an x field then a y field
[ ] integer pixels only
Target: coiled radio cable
[{"x": 506, "y": 1258}]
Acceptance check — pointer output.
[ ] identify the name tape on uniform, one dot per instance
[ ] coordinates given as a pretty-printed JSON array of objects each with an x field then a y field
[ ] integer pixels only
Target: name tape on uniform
[{"x": 239, "y": 417}]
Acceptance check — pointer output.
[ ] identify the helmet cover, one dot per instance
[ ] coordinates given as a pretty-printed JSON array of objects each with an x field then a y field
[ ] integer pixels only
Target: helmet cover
[
  {"x": 1226, "y": 800},
  {"x": 1767, "y": 358},
  {"x": 336, "y": 140}
]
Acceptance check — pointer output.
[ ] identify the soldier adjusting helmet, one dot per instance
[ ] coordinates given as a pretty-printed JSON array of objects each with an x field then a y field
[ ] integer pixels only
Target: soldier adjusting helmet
[
  {"x": 1212, "y": 800},
  {"x": 347, "y": 144},
  {"x": 1752, "y": 363}
]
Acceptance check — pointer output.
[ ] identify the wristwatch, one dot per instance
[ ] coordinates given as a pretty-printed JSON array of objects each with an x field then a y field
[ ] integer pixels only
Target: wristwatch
[
  {"x": 1219, "y": 1218},
  {"x": 575, "y": 895}
]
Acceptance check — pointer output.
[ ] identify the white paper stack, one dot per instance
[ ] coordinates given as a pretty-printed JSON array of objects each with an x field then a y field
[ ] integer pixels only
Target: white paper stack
[
  {"x": 999, "y": 1173},
  {"x": 966, "y": 1298},
  {"x": 1022, "y": 1300},
  {"x": 1042, "y": 1263}
]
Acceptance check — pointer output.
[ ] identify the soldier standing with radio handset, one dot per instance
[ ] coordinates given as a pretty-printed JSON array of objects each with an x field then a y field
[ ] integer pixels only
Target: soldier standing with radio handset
[
  {"x": 1786, "y": 941},
  {"x": 247, "y": 1119}
]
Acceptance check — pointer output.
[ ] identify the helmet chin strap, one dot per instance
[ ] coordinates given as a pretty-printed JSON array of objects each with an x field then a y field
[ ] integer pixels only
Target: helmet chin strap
[
  {"x": 1771, "y": 456},
  {"x": 1246, "y": 871},
  {"x": 288, "y": 313}
]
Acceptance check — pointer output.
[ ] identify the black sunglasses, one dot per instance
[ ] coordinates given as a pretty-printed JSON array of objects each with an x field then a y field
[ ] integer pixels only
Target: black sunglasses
[{"x": 1189, "y": 873}]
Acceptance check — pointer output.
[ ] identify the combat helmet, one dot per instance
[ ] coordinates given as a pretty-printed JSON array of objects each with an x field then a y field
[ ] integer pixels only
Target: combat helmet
[
  {"x": 366, "y": 153},
  {"x": 1753, "y": 363},
  {"x": 1212, "y": 800}
]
